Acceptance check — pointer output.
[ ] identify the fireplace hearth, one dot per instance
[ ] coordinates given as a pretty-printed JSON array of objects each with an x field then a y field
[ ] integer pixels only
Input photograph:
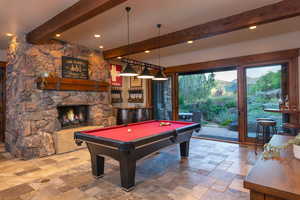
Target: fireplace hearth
[{"x": 73, "y": 116}]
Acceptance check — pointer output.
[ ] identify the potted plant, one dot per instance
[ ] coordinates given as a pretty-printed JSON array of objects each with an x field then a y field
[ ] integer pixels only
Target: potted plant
[
  {"x": 296, "y": 146},
  {"x": 271, "y": 151}
]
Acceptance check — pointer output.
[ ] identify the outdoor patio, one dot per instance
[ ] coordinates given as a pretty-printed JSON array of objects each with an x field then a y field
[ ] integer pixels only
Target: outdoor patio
[{"x": 217, "y": 132}]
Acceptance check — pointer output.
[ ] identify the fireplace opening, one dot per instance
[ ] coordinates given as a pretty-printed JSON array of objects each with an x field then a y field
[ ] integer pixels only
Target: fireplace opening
[{"x": 73, "y": 116}]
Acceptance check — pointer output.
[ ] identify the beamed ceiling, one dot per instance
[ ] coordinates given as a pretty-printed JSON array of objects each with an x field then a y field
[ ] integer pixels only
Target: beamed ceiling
[
  {"x": 174, "y": 15},
  {"x": 170, "y": 57}
]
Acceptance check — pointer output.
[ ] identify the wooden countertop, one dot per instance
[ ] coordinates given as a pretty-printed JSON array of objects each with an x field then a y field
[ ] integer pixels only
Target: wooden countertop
[{"x": 278, "y": 177}]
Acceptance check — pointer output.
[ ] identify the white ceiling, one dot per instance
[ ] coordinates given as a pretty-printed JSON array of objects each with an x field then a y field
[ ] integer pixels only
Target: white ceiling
[
  {"x": 21, "y": 16},
  {"x": 172, "y": 14}
]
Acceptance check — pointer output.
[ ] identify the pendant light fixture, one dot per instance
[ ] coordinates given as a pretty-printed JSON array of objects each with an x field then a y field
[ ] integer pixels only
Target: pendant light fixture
[
  {"x": 160, "y": 76},
  {"x": 146, "y": 74},
  {"x": 128, "y": 70}
]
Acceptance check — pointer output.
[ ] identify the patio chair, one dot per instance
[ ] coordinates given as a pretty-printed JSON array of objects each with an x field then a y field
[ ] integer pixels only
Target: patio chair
[{"x": 265, "y": 130}]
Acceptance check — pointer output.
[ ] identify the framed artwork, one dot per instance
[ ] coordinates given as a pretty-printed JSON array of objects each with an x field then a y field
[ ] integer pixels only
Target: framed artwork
[
  {"x": 116, "y": 79},
  {"x": 75, "y": 68},
  {"x": 136, "y": 82}
]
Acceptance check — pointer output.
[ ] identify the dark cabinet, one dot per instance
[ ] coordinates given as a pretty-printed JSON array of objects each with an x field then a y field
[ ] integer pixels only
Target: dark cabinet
[{"x": 132, "y": 115}]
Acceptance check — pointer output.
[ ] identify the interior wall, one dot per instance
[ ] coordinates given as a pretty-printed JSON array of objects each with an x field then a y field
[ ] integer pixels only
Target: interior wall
[
  {"x": 126, "y": 87},
  {"x": 125, "y": 95},
  {"x": 3, "y": 56}
]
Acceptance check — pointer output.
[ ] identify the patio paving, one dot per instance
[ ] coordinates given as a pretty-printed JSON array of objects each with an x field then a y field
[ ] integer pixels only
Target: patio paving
[{"x": 214, "y": 131}]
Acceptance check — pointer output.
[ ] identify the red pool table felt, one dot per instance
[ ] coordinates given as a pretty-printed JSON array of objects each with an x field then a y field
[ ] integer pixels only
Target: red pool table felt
[{"x": 138, "y": 130}]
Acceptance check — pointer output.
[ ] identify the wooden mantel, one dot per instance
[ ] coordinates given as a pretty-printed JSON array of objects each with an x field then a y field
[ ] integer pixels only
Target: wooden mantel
[{"x": 68, "y": 84}]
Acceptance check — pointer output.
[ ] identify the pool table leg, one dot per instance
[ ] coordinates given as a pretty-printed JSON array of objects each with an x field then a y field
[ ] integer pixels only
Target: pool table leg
[
  {"x": 97, "y": 165},
  {"x": 127, "y": 172},
  {"x": 184, "y": 148}
]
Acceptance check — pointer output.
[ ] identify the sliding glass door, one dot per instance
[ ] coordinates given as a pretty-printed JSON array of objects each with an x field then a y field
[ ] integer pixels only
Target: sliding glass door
[
  {"x": 264, "y": 91},
  {"x": 162, "y": 99},
  {"x": 210, "y": 98},
  {"x": 227, "y": 103}
]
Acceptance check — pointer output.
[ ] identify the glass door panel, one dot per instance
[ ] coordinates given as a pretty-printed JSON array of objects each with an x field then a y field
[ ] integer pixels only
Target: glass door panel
[
  {"x": 264, "y": 90},
  {"x": 210, "y": 98},
  {"x": 162, "y": 99}
]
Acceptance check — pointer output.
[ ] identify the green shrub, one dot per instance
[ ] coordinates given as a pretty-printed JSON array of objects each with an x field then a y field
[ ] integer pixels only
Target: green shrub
[
  {"x": 196, "y": 90},
  {"x": 226, "y": 123},
  {"x": 225, "y": 117},
  {"x": 212, "y": 107}
]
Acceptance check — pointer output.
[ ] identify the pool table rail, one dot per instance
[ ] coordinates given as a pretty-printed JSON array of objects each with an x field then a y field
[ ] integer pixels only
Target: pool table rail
[{"x": 81, "y": 136}]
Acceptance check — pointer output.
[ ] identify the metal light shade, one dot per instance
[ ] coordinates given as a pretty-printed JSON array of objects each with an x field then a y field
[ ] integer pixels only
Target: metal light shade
[
  {"x": 146, "y": 74},
  {"x": 160, "y": 76},
  {"x": 128, "y": 71}
]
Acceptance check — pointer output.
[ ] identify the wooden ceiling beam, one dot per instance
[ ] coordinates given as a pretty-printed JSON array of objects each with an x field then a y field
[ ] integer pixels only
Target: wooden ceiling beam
[
  {"x": 78, "y": 13},
  {"x": 270, "y": 13},
  {"x": 234, "y": 62}
]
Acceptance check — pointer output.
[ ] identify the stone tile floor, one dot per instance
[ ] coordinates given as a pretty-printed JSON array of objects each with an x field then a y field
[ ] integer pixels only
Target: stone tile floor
[{"x": 214, "y": 171}]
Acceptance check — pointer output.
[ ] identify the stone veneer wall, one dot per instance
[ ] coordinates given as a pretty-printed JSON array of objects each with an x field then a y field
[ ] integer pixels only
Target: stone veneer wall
[{"x": 31, "y": 114}]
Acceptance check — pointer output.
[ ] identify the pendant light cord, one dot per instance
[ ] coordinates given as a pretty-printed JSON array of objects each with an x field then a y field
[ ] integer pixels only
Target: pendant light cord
[
  {"x": 159, "y": 26},
  {"x": 128, "y": 32},
  {"x": 159, "y": 47}
]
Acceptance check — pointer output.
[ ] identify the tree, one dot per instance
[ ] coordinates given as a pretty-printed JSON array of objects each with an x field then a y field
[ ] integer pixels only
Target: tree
[
  {"x": 267, "y": 82},
  {"x": 193, "y": 88}
]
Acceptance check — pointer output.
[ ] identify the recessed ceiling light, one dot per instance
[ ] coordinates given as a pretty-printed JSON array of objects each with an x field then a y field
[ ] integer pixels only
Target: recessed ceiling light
[
  {"x": 119, "y": 57},
  {"x": 97, "y": 36},
  {"x": 9, "y": 34},
  {"x": 57, "y": 35},
  {"x": 101, "y": 47},
  {"x": 147, "y": 51},
  {"x": 252, "y": 27},
  {"x": 190, "y": 42}
]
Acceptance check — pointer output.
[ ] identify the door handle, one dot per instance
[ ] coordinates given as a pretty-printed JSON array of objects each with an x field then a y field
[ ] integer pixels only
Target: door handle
[{"x": 239, "y": 113}]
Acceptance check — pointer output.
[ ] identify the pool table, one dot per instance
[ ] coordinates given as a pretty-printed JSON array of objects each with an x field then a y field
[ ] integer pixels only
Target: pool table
[{"x": 131, "y": 142}]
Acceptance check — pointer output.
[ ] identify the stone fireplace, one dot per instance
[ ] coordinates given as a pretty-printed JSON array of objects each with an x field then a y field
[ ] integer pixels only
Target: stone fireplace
[
  {"x": 73, "y": 116},
  {"x": 33, "y": 116}
]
